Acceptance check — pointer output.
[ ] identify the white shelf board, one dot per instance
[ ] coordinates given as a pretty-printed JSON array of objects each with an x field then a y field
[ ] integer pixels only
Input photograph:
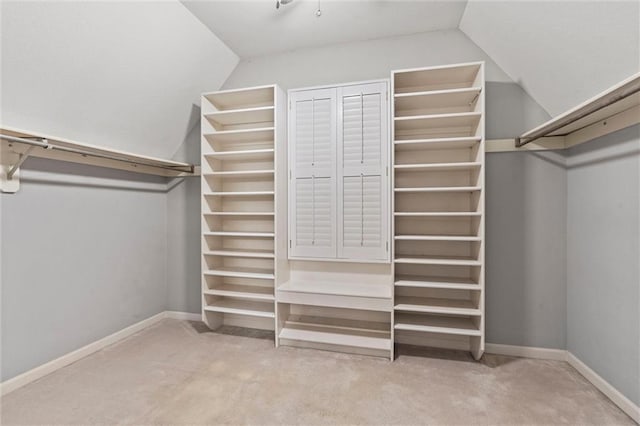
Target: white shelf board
[
  {"x": 238, "y": 193},
  {"x": 241, "y": 116},
  {"x": 239, "y": 214},
  {"x": 438, "y": 121},
  {"x": 242, "y": 292},
  {"x": 437, "y": 260},
  {"x": 241, "y": 272},
  {"x": 441, "y": 189},
  {"x": 436, "y": 324},
  {"x": 437, "y": 143},
  {"x": 346, "y": 288},
  {"x": 239, "y": 234},
  {"x": 240, "y": 173},
  {"x": 461, "y": 238},
  {"x": 436, "y": 282},
  {"x": 83, "y": 153},
  {"x": 431, "y": 305},
  {"x": 437, "y": 214},
  {"x": 451, "y": 98},
  {"x": 259, "y": 254},
  {"x": 435, "y": 78},
  {"x": 239, "y": 98},
  {"x": 242, "y": 307},
  {"x": 330, "y": 332},
  {"x": 242, "y": 155},
  {"x": 438, "y": 167},
  {"x": 261, "y": 134}
]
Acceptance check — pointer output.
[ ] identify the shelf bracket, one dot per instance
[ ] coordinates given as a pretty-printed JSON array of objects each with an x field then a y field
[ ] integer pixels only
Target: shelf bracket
[{"x": 10, "y": 176}]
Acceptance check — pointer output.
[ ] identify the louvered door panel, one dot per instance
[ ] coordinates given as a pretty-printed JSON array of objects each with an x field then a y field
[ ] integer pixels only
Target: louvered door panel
[
  {"x": 363, "y": 172},
  {"x": 312, "y": 202}
]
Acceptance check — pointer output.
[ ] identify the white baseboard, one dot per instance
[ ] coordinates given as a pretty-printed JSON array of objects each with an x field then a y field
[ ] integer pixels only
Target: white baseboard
[
  {"x": 186, "y": 316},
  {"x": 625, "y": 404},
  {"x": 526, "y": 351},
  {"x": 51, "y": 366}
]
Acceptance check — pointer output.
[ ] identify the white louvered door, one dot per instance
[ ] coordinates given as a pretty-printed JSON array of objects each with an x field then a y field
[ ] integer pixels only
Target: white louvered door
[
  {"x": 363, "y": 175},
  {"x": 312, "y": 139}
]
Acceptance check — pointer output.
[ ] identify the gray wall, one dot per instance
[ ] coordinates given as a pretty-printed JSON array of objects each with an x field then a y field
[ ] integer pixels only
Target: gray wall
[
  {"x": 526, "y": 242},
  {"x": 603, "y": 258},
  {"x": 83, "y": 256},
  {"x": 183, "y": 233}
]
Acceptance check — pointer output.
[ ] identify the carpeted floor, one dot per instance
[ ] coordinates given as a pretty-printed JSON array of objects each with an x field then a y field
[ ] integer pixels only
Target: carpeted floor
[{"x": 179, "y": 372}]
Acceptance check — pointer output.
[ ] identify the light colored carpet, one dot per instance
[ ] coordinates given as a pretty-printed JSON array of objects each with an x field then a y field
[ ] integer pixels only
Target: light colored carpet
[{"x": 178, "y": 372}]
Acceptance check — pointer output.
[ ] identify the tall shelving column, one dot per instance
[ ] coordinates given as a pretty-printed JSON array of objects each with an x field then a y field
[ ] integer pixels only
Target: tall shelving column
[
  {"x": 242, "y": 131},
  {"x": 438, "y": 116}
]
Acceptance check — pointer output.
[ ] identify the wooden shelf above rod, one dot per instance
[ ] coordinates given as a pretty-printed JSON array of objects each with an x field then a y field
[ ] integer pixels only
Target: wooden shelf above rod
[{"x": 17, "y": 145}]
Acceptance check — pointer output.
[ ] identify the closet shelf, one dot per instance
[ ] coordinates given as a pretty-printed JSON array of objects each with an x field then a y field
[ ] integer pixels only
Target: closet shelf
[
  {"x": 437, "y": 260},
  {"x": 238, "y": 193},
  {"x": 348, "y": 295},
  {"x": 436, "y": 282},
  {"x": 436, "y": 238},
  {"x": 438, "y": 121},
  {"x": 353, "y": 288},
  {"x": 241, "y": 272},
  {"x": 241, "y": 98},
  {"x": 242, "y": 292},
  {"x": 438, "y": 214},
  {"x": 439, "y": 78},
  {"x": 261, "y": 134},
  {"x": 405, "y": 103},
  {"x": 441, "y": 189},
  {"x": 357, "y": 334},
  {"x": 437, "y": 143},
  {"x": 432, "y": 305},
  {"x": 239, "y": 234},
  {"x": 240, "y": 173},
  {"x": 242, "y": 307},
  {"x": 262, "y": 254},
  {"x": 436, "y": 324},
  {"x": 439, "y": 167},
  {"x": 241, "y": 116},
  {"x": 247, "y": 154},
  {"x": 239, "y": 214}
]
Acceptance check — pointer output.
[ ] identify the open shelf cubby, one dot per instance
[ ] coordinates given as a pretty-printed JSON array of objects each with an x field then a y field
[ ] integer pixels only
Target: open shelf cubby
[
  {"x": 438, "y": 133},
  {"x": 243, "y": 156}
]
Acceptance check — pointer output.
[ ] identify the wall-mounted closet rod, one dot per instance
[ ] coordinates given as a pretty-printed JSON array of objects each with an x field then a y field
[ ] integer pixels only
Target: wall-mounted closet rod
[
  {"x": 43, "y": 143},
  {"x": 607, "y": 98}
]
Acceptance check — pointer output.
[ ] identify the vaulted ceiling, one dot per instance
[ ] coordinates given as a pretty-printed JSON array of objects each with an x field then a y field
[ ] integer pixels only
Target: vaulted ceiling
[
  {"x": 561, "y": 52},
  {"x": 256, "y": 28}
]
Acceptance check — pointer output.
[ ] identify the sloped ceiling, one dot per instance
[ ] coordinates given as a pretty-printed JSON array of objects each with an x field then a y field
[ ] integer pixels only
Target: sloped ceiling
[
  {"x": 255, "y": 28},
  {"x": 123, "y": 75},
  {"x": 560, "y": 52}
]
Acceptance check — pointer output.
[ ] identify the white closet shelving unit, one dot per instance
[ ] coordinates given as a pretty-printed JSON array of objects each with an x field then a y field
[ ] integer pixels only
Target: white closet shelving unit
[
  {"x": 438, "y": 133},
  {"x": 243, "y": 211}
]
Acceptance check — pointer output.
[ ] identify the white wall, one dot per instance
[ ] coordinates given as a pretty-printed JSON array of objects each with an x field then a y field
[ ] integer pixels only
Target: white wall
[
  {"x": 603, "y": 253},
  {"x": 561, "y": 52},
  {"x": 85, "y": 250},
  {"x": 364, "y": 60},
  {"x": 116, "y": 74}
]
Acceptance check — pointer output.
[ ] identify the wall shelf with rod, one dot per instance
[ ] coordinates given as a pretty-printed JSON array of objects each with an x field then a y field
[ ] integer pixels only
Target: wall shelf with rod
[{"x": 18, "y": 145}]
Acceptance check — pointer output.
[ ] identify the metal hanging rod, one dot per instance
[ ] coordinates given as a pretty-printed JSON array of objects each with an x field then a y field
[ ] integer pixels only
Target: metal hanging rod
[
  {"x": 44, "y": 143},
  {"x": 615, "y": 94}
]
